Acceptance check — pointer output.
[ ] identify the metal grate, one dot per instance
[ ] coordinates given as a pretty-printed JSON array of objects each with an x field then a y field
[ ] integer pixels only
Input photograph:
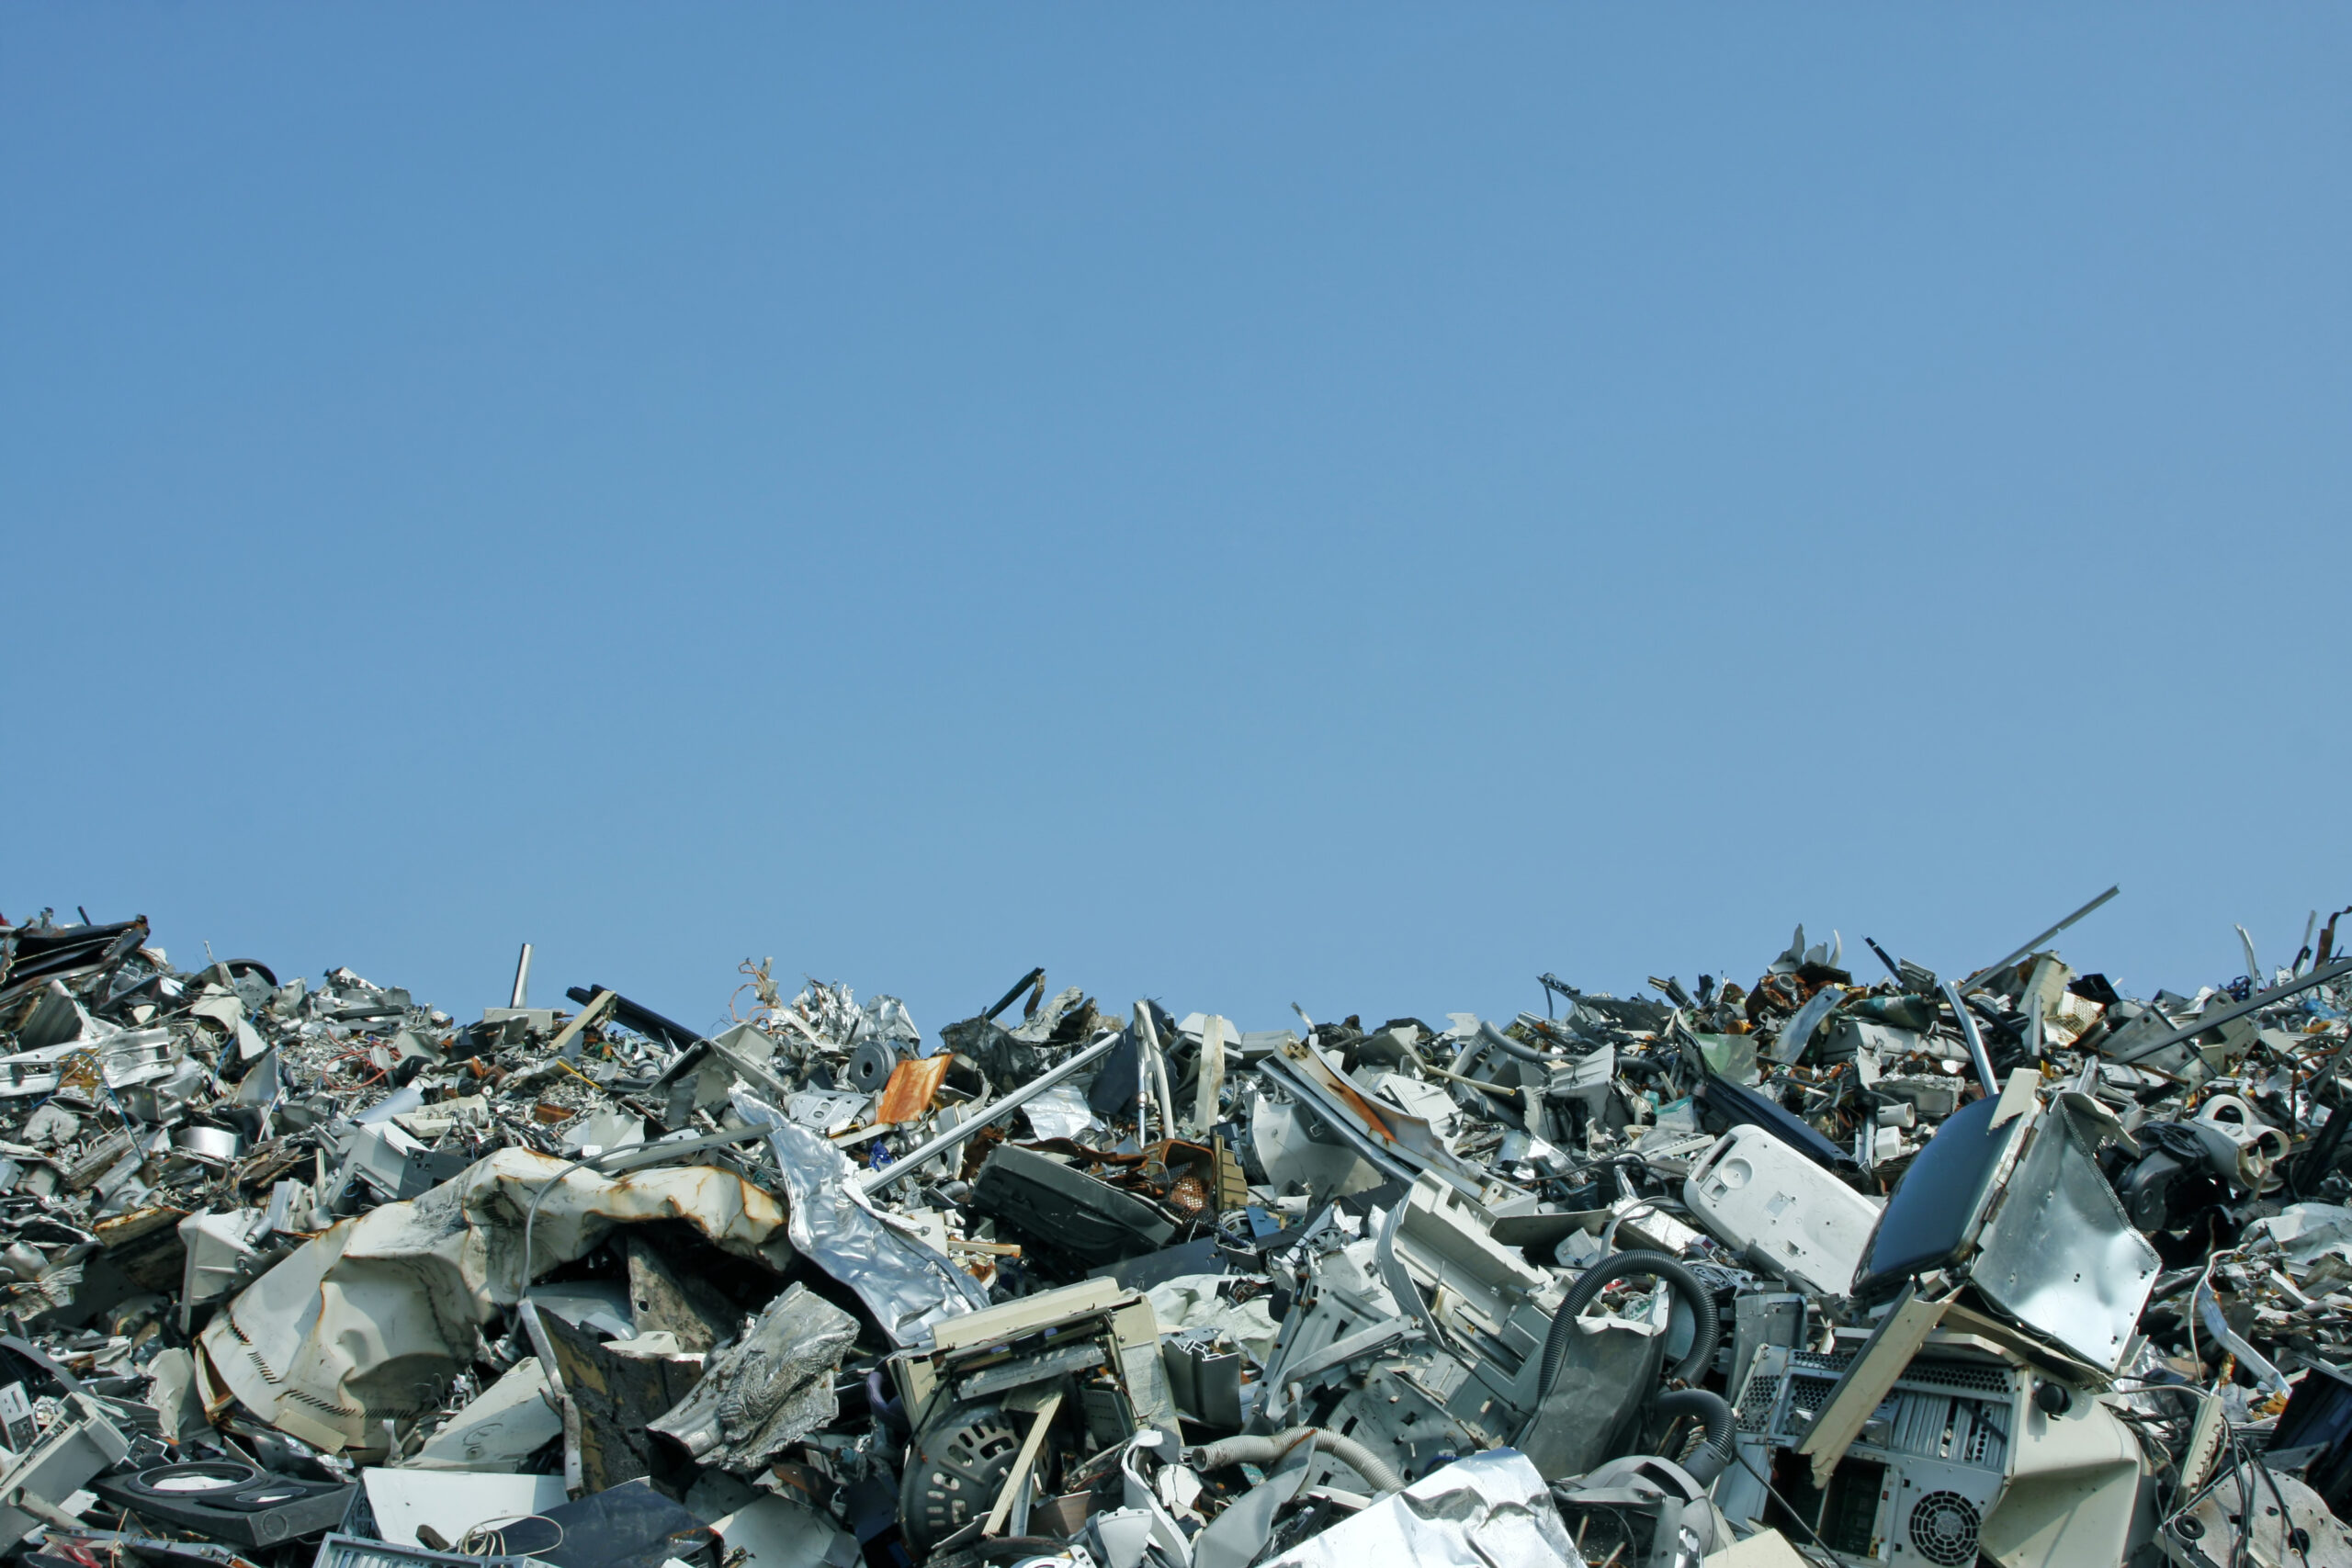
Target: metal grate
[
  {"x": 1944, "y": 1528},
  {"x": 1969, "y": 1376},
  {"x": 1809, "y": 1394},
  {"x": 1987, "y": 1445},
  {"x": 350, "y": 1552},
  {"x": 1756, "y": 1405}
]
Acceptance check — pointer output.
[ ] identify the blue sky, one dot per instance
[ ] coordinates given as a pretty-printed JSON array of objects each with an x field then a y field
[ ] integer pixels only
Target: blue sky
[{"x": 1358, "y": 505}]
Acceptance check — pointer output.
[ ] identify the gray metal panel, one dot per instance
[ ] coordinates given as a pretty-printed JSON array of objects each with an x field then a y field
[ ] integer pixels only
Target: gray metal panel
[{"x": 2061, "y": 1256}]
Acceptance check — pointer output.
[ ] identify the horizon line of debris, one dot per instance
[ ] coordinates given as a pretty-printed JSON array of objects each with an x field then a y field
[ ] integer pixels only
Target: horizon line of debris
[{"x": 1861, "y": 1269}]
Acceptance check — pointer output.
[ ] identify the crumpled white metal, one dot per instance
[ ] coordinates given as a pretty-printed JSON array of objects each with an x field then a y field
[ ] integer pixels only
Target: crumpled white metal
[
  {"x": 370, "y": 1320},
  {"x": 1490, "y": 1510}
]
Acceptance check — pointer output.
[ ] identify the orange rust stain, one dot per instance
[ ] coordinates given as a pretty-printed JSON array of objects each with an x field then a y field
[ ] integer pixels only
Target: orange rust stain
[
  {"x": 913, "y": 1084},
  {"x": 1363, "y": 1107}
]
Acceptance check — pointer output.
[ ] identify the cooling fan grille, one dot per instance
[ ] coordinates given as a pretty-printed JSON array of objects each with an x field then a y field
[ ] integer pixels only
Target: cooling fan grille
[{"x": 1944, "y": 1529}]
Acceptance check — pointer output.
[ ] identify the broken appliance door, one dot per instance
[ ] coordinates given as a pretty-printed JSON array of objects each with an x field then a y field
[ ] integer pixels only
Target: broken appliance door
[{"x": 2058, "y": 1254}]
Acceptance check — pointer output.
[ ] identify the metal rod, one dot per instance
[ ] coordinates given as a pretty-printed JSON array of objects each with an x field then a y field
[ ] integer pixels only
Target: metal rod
[
  {"x": 1013, "y": 995},
  {"x": 1143, "y": 1076},
  {"x": 2045, "y": 936},
  {"x": 1976, "y": 1052},
  {"x": 872, "y": 1182},
  {"x": 522, "y": 979},
  {"x": 2255, "y": 1003},
  {"x": 1148, "y": 1032}
]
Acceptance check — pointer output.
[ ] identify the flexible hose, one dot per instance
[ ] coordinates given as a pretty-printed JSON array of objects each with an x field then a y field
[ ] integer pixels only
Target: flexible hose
[
  {"x": 1506, "y": 1044},
  {"x": 1706, "y": 1326},
  {"x": 1271, "y": 1451},
  {"x": 1712, "y": 1410}
]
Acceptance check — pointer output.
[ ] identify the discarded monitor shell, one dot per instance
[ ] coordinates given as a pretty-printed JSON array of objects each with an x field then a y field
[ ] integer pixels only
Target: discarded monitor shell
[{"x": 2007, "y": 1199}]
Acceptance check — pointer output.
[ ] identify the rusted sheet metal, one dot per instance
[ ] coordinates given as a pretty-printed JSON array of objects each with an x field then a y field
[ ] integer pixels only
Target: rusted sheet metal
[{"x": 913, "y": 1086}]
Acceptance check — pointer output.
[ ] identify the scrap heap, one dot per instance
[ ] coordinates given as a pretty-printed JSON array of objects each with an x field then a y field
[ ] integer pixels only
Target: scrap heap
[{"x": 2004, "y": 1267}]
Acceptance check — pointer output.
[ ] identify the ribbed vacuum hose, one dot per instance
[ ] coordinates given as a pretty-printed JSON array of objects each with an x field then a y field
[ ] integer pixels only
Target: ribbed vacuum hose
[
  {"x": 1506, "y": 1044},
  {"x": 1272, "y": 1450},
  {"x": 1713, "y": 1410},
  {"x": 1706, "y": 1327}
]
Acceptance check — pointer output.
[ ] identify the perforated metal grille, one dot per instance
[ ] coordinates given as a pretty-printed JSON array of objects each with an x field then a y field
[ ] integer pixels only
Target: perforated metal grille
[
  {"x": 1971, "y": 1377},
  {"x": 1944, "y": 1529},
  {"x": 1809, "y": 1394},
  {"x": 1756, "y": 1405},
  {"x": 1938, "y": 1426},
  {"x": 1987, "y": 1444}
]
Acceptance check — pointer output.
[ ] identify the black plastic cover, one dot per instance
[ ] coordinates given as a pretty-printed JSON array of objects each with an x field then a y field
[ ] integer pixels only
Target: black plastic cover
[
  {"x": 1067, "y": 1210},
  {"x": 1722, "y": 1105},
  {"x": 629, "y": 1526},
  {"x": 230, "y": 1502},
  {"x": 2315, "y": 1434}
]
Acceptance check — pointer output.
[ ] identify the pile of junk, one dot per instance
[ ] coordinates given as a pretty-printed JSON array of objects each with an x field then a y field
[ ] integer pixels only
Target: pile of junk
[{"x": 1885, "y": 1269}]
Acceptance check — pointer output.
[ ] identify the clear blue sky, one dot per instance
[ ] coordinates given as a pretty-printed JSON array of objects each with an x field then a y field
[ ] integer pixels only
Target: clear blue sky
[{"x": 1344, "y": 503}]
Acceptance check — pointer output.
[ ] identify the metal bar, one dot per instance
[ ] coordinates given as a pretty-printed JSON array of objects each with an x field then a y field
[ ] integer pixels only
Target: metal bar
[
  {"x": 597, "y": 1007},
  {"x": 1386, "y": 1161},
  {"x": 1892, "y": 966},
  {"x": 2255, "y": 1003},
  {"x": 522, "y": 979},
  {"x": 636, "y": 1157},
  {"x": 644, "y": 1019},
  {"x": 2045, "y": 936},
  {"x": 1013, "y": 995},
  {"x": 872, "y": 1182},
  {"x": 1976, "y": 1052},
  {"x": 1148, "y": 1032}
]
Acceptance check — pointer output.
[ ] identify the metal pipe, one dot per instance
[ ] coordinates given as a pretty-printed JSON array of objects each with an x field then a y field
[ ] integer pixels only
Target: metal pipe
[
  {"x": 872, "y": 1182},
  {"x": 1505, "y": 1044},
  {"x": 2255, "y": 1003},
  {"x": 1976, "y": 1052},
  {"x": 1270, "y": 1451},
  {"x": 1013, "y": 995},
  {"x": 1148, "y": 1032},
  {"x": 2037, "y": 941},
  {"x": 522, "y": 979},
  {"x": 1145, "y": 1038}
]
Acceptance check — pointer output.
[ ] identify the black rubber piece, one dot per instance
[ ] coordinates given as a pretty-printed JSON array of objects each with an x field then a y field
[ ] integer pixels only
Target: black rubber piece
[
  {"x": 1707, "y": 1326},
  {"x": 1713, "y": 1410}
]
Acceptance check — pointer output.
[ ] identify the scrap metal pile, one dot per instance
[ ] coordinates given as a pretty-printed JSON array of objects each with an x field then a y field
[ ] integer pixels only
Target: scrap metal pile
[{"x": 1929, "y": 1269}]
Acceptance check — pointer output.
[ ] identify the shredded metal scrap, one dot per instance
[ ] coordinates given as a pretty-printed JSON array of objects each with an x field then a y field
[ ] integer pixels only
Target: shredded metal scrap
[{"x": 2013, "y": 1267}]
